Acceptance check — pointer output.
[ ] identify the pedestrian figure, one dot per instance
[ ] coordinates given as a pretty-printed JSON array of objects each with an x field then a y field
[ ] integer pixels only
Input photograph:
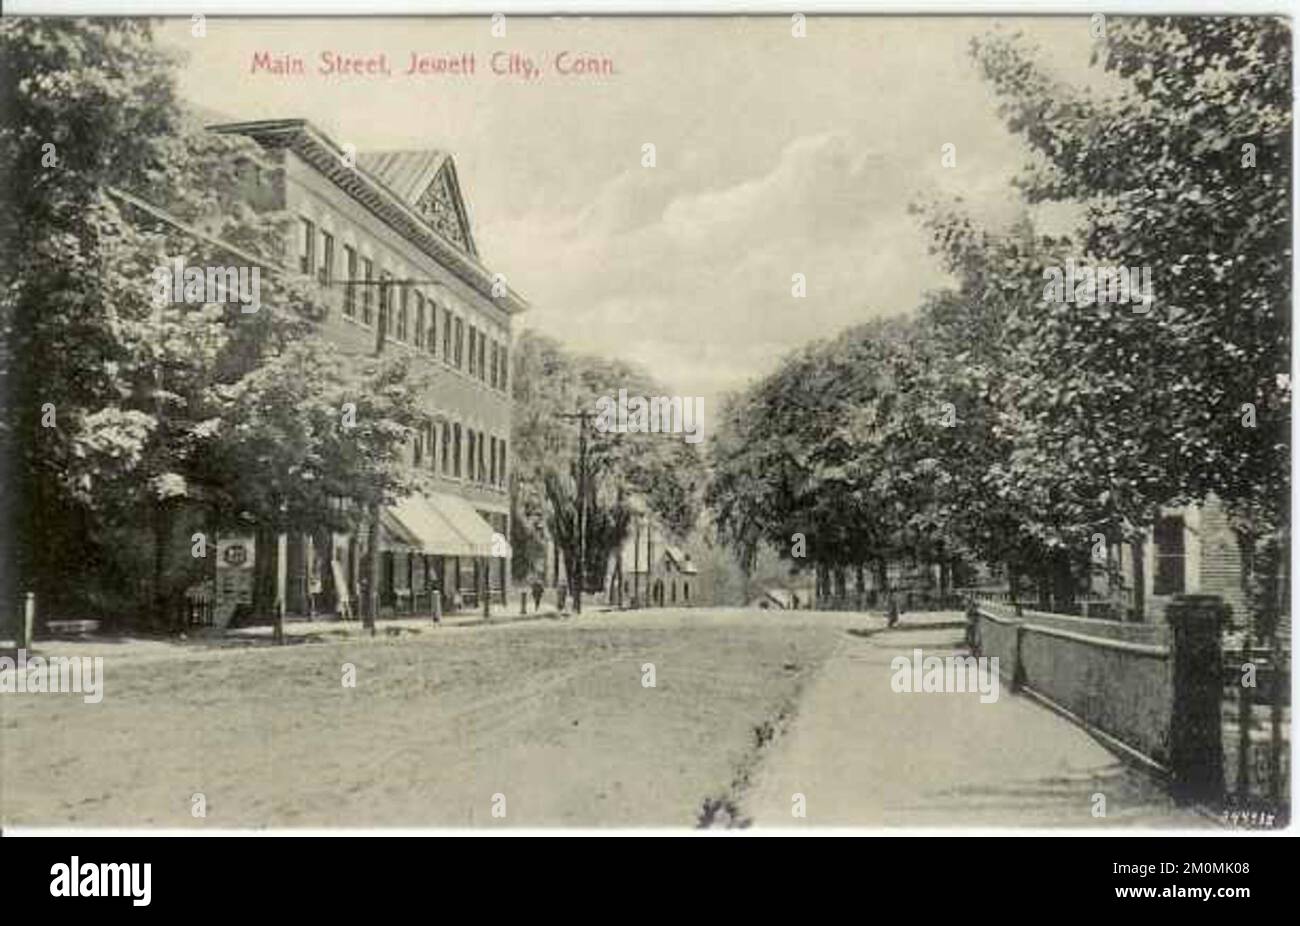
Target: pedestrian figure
[
  {"x": 560, "y": 595},
  {"x": 432, "y": 588},
  {"x": 893, "y": 610},
  {"x": 537, "y": 594}
]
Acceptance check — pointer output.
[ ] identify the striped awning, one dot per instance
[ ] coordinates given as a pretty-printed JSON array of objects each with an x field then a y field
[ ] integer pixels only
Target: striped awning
[
  {"x": 442, "y": 525},
  {"x": 460, "y": 514}
]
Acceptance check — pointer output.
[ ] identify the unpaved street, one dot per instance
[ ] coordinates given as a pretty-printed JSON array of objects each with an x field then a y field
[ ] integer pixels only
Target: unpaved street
[
  {"x": 551, "y": 715},
  {"x": 548, "y": 722}
]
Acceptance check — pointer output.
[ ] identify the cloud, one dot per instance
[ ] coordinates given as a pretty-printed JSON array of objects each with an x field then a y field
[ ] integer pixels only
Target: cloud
[
  {"x": 697, "y": 285},
  {"x": 775, "y": 156}
]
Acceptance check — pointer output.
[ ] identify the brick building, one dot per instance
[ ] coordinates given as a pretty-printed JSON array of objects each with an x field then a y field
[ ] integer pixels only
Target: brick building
[{"x": 396, "y": 218}]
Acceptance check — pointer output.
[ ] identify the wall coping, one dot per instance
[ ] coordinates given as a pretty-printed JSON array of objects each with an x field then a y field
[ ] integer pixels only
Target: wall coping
[
  {"x": 1025, "y": 620},
  {"x": 1139, "y": 649}
]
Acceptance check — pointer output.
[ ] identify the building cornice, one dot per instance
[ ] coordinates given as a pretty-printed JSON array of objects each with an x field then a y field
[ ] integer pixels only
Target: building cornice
[{"x": 318, "y": 150}]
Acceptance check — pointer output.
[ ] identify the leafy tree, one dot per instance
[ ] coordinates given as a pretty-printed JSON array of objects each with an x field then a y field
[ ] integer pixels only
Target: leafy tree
[
  {"x": 1185, "y": 169},
  {"x": 802, "y": 463},
  {"x": 84, "y": 106},
  {"x": 158, "y": 408},
  {"x": 659, "y": 472}
]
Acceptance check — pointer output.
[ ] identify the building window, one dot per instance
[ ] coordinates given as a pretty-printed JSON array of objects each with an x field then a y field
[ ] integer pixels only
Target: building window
[
  {"x": 431, "y": 428},
  {"x": 402, "y": 312},
  {"x": 459, "y": 341},
  {"x": 307, "y": 247},
  {"x": 482, "y": 359},
  {"x": 492, "y": 352},
  {"x": 505, "y": 365},
  {"x": 417, "y": 450},
  {"x": 473, "y": 334},
  {"x": 446, "y": 447},
  {"x": 326, "y": 257},
  {"x": 501, "y": 468},
  {"x": 482, "y": 456},
  {"x": 492, "y": 462},
  {"x": 1171, "y": 556},
  {"x": 455, "y": 450},
  {"x": 433, "y": 329},
  {"x": 470, "y": 441},
  {"x": 446, "y": 335},
  {"x": 419, "y": 319},
  {"x": 350, "y": 291},
  {"x": 367, "y": 290}
]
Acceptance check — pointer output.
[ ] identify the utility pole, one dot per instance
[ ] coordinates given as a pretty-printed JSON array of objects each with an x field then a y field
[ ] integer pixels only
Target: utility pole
[{"x": 582, "y": 418}]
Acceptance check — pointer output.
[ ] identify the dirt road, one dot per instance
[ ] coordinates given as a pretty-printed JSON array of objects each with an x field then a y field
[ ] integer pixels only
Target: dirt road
[{"x": 548, "y": 721}]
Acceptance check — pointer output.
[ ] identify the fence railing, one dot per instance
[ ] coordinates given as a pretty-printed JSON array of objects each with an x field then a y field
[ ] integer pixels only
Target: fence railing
[
  {"x": 1257, "y": 724},
  {"x": 1155, "y": 692},
  {"x": 1085, "y": 605},
  {"x": 875, "y": 600}
]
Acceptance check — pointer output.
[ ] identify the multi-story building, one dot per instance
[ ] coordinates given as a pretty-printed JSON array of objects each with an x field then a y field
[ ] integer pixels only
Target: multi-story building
[{"x": 392, "y": 227}]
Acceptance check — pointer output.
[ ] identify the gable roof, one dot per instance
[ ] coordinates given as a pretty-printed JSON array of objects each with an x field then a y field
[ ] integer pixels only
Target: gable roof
[
  {"x": 781, "y": 596},
  {"x": 424, "y": 179},
  {"x": 406, "y": 173},
  {"x": 633, "y": 555}
]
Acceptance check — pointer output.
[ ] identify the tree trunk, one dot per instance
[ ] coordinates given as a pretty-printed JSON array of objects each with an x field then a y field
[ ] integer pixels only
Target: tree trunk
[
  {"x": 636, "y": 567},
  {"x": 265, "y": 555},
  {"x": 1043, "y": 582},
  {"x": 371, "y": 613},
  {"x": 881, "y": 568},
  {"x": 1140, "y": 580},
  {"x": 1063, "y": 585},
  {"x": 161, "y": 618}
]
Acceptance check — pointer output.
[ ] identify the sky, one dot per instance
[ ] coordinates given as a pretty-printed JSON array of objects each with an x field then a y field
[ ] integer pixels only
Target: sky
[{"x": 774, "y": 155}]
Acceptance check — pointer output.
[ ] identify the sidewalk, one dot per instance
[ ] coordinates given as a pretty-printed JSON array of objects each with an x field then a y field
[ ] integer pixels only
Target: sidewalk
[
  {"x": 296, "y": 630},
  {"x": 864, "y": 755},
  {"x": 332, "y": 626}
]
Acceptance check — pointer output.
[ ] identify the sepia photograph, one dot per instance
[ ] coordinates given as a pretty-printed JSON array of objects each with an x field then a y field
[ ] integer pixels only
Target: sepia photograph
[{"x": 778, "y": 423}]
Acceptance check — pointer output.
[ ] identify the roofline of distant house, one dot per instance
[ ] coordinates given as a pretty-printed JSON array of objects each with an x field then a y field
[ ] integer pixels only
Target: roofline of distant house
[{"x": 317, "y": 149}]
